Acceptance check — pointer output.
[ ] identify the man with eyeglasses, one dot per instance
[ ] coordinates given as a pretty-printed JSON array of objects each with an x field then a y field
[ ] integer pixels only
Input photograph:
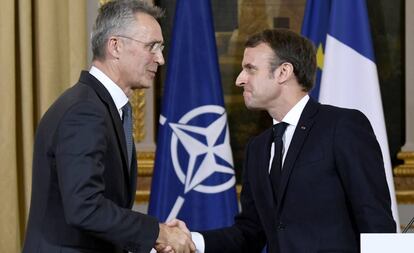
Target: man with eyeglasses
[{"x": 84, "y": 165}]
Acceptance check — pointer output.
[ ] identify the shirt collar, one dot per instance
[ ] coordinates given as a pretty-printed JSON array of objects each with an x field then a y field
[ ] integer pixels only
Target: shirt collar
[
  {"x": 117, "y": 94},
  {"x": 293, "y": 116}
]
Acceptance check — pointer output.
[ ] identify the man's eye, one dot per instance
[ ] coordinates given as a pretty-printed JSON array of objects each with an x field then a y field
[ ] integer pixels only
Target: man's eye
[
  {"x": 150, "y": 45},
  {"x": 155, "y": 46},
  {"x": 250, "y": 70}
]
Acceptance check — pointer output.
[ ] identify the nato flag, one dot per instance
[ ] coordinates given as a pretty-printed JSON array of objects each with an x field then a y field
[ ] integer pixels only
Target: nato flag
[{"x": 193, "y": 176}]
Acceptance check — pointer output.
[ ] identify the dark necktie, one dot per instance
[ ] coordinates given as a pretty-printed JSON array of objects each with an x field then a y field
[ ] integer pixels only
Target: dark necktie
[
  {"x": 127, "y": 124},
  {"x": 276, "y": 169}
]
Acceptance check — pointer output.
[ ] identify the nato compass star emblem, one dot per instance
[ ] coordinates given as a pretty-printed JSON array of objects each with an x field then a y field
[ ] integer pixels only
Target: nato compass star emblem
[{"x": 202, "y": 155}]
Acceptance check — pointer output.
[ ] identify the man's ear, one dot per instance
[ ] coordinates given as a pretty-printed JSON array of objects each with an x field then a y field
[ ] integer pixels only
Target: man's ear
[
  {"x": 284, "y": 72},
  {"x": 113, "y": 47}
]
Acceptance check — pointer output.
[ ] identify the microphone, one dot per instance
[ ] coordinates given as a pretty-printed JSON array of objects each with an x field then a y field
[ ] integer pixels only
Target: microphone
[{"x": 409, "y": 225}]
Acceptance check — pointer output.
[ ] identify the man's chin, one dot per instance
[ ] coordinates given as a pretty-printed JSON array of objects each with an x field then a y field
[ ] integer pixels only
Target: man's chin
[
  {"x": 248, "y": 104},
  {"x": 252, "y": 107},
  {"x": 148, "y": 82},
  {"x": 143, "y": 85}
]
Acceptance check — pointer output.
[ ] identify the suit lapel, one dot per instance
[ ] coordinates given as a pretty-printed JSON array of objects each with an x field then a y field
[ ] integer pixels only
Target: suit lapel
[
  {"x": 301, "y": 132},
  {"x": 133, "y": 176},
  {"x": 263, "y": 155},
  {"x": 91, "y": 81}
]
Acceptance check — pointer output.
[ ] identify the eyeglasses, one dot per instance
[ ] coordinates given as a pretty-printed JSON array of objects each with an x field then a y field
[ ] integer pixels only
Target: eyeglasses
[{"x": 153, "y": 46}]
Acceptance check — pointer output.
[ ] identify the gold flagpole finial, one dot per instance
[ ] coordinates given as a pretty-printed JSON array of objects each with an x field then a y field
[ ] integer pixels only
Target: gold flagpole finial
[{"x": 103, "y": 1}]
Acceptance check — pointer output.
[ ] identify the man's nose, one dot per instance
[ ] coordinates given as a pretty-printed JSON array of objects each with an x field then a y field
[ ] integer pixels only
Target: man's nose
[
  {"x": 159, "y": 58},
  {"x": 240, "y": 80}
]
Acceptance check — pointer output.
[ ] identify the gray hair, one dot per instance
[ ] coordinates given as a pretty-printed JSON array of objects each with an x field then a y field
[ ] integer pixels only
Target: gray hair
[{"x": 116, "y": 17}]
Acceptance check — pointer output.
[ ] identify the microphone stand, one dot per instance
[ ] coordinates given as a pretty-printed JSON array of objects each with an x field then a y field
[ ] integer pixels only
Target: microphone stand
[{"x": 409, "y": 225}]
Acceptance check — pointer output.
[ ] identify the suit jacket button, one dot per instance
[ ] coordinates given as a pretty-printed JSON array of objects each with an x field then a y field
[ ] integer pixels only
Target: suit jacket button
[{"x": 281, "y": 226}]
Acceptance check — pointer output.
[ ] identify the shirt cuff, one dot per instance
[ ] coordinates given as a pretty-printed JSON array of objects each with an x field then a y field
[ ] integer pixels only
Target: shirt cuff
[{"x": 198, "y": 240}]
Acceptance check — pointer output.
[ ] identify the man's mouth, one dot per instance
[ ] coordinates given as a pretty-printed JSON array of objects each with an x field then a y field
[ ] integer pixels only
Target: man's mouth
[{"x": 152, "y": 72}]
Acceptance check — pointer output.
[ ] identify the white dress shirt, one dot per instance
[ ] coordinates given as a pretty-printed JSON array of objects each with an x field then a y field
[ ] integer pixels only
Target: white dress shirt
[
  {"x": 117, "y": 94},
  {"x": 292, "y": 118}
]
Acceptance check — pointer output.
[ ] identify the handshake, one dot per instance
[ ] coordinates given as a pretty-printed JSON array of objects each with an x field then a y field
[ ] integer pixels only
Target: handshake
[{"x": 174, "y": 237}]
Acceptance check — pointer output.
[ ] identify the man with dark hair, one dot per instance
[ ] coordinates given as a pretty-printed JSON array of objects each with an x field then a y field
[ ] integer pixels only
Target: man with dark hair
[
  {"x": 84, "y": 165},
  {"x": 315, "y": 180}
]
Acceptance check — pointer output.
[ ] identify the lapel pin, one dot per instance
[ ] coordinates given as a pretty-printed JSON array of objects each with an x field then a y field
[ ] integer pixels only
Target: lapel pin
[{"x": 303, "y": 127}]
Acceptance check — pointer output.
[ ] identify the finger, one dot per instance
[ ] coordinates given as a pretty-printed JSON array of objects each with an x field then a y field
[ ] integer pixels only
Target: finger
[
  {"x": 168, "y": 249},
  {"x": 181, "y": 225},
  {"x": 162, "y": 248},
  {"x": 184, "y": 228},
  {"x": 192, "y": 247},
  {"x": 172, "y": 223}
]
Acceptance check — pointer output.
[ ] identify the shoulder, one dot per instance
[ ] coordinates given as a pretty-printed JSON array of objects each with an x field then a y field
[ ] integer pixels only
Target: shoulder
[
  {"x": 340, "y": 113},
  {"x": 80, "y": 93},
  {"x": 85, "y": 90},
  {"x": 78, "y": 100},
  {"x": 347, "y": 122}
]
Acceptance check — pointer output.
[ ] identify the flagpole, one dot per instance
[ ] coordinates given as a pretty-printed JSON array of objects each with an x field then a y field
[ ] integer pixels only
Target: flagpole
[{"x": 176, "y": 208}]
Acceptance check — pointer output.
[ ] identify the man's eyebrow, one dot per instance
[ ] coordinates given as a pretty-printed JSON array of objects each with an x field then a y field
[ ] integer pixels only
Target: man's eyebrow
[
  {"x": 157, "y": 41},
  {"x": 249, "y": 66}
]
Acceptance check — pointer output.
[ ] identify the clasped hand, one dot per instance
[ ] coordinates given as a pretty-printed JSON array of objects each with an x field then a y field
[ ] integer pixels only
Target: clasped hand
[{"x": 174, "y": 237}]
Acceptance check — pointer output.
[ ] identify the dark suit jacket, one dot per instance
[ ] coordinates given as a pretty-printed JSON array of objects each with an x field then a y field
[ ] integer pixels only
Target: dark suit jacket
[
  {"x": 333, "y": 188},
  {"x": 82, "y": 190}
]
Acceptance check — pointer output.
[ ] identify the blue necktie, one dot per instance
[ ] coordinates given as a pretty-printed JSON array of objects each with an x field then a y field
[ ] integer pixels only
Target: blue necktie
[
  {"x": 127, "y": 124},
  {"x": 276, "y": 169}
]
